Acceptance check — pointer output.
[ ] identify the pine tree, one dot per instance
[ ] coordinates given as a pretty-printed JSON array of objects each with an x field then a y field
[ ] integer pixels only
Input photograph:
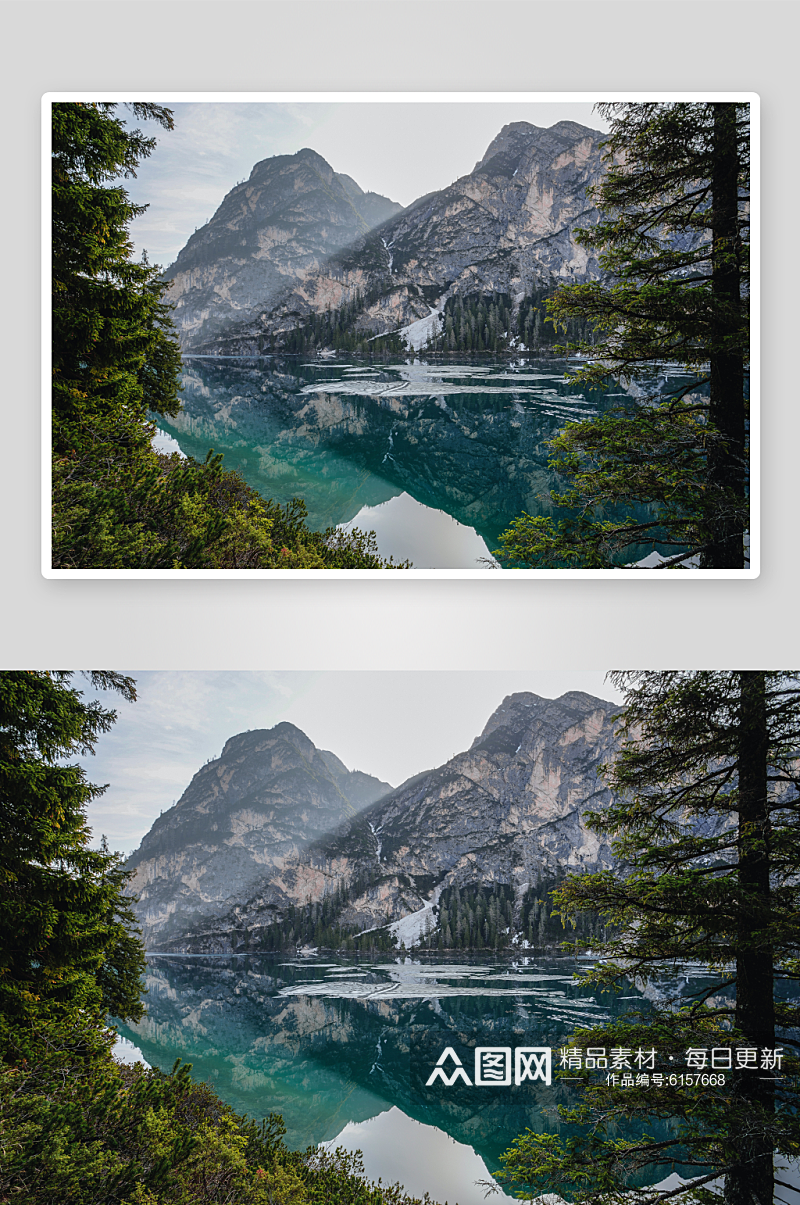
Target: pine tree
[
  {"x": 705, "y": 826},
  {"x": 68, "y": 939},
  {"x": 673, "y": 242},
  {"x": 114, "y": 354}
]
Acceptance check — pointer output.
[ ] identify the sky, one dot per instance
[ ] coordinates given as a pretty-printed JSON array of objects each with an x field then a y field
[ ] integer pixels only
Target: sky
[
  {"x": 401, "y": 150},
  {"x": 391, "y": 724}
]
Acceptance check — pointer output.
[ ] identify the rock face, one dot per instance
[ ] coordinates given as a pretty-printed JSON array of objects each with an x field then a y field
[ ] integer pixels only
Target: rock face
[
  {"x": 507, "y": 227},
  {"x": 504, "y": 811},
  {"x": 243, "y": 816},
  {"x": 508, "y": 808},
  {"x": 270, "y": 232}
]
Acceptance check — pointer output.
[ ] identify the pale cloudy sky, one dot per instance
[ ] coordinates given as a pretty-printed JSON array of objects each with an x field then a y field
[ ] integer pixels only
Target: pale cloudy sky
[
  {"x": 388, "y": 723},
  {"x": 401, "y": 150}
]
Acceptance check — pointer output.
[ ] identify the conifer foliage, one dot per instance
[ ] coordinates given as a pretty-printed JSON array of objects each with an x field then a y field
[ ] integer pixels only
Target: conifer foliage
[
  {"x": 705, "y": 826},
  {"x": 673, "y": 242},
  {"x": 68, "y": 938},
  {"x": 338, "y": 329},
  {"x": 77, "y": 1127},
  {"x": 320, "y": 924},
  {"x": 114, "y": 355}
]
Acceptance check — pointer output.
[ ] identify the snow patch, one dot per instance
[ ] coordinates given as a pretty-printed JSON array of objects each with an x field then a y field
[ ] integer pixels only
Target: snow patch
[
  {"x": 412, "y": 928},
  {"x": 418, "y": 333},
  {"x": 376, "y": 831},
  {"x": 388, "y": 246}
]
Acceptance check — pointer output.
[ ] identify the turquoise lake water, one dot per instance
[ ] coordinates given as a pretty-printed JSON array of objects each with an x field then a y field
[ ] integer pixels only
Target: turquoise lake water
[
  {"x": 343, "y": 1048},
  {"x": 436, "y": 458}
]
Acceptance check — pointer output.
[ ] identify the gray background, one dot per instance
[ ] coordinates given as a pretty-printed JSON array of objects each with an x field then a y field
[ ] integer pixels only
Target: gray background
[{"x": 397, "y": 623}]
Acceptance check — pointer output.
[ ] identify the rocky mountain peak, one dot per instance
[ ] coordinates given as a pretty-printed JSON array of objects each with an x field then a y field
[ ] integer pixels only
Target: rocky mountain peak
[
  {"x": 514, "y": 708},
  {"x": 512, "y": 141},
  {"x": 269, "y": 232},
  {"x": 259, "y": 739},
  {"x": 578, "y": 700},
  {"x": 275, "y": 823},
  {"x": 515, "y": 142},
  {"x": 574, "y": 130},
  {"x": 524, "y": 714},
  {"x": 508, "y": 227},
  {"x": 305, "y": 158},
  {"x": 243, "y": 816}
]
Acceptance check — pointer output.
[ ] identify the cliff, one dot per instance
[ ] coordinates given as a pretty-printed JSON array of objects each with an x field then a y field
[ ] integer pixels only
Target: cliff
[{"x": 508, "y": 227}]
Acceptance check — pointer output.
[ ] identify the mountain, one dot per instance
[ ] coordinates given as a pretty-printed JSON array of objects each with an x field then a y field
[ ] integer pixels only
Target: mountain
[
  {"x": 270, "y": 231},
  {"x": 507, "y": 228},
  {"x": 242, "y": 818},
  {"x": 506, "y": 811}
]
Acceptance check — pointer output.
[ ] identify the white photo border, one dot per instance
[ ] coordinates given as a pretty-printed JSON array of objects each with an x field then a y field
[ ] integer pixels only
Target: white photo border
[{"x": 167, "y": 97}]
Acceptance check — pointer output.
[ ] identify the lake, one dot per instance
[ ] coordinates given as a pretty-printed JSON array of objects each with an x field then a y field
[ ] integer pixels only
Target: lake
[
  {"x": 437, "y": 459},
  {"x": 343, "y": 1049}
]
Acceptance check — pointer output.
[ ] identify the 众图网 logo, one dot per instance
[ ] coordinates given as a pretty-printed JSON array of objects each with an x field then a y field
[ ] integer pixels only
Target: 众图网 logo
[{"x": 493, "y": 1065}]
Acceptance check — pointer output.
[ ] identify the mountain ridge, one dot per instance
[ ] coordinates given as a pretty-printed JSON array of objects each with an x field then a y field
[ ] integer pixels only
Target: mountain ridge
[
  {"x": 507, "y": 227},
  {"x": 243, "y": 815},
  {"x": 507, "y": 810}
]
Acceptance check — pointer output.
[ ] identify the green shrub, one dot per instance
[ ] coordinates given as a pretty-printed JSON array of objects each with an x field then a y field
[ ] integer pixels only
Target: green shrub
[
  {"x": 77, "y": 1128},
  {"x": 132, "y": 508}
]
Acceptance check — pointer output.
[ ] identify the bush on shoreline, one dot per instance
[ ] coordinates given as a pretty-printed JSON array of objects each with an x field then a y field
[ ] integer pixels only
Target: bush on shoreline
[{"x": 150, "y": 511}]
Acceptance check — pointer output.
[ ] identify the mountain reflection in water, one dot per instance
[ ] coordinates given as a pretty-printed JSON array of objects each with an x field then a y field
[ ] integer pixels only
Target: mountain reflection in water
[
  {"x": 468, "y": 440},
  {"x": 335, "y": 1043}
]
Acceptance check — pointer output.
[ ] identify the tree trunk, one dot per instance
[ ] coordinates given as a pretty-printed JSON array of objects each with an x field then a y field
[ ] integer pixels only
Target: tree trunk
[
  {"x": 726, "y": 455},
  {"x": 753, "y": 1101}
]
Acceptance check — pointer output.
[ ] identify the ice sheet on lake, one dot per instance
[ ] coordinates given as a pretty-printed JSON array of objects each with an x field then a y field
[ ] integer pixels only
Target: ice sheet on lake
[
  {"x": 303, "y": 962},
  {"x": 426, "y": 380},
  {"x": 349, "y": 990},
  {"x": 367, "y": 387},
  {"x": 503, "y": 978},
  {"x": 408, "y": 982}
]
